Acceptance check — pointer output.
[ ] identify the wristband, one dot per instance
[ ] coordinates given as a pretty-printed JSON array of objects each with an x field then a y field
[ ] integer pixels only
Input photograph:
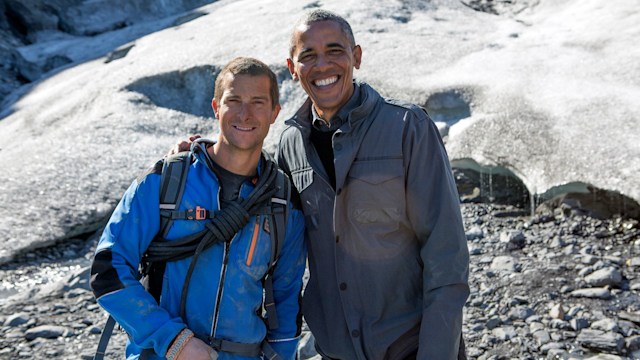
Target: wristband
[{"x": 178, "y": 344}]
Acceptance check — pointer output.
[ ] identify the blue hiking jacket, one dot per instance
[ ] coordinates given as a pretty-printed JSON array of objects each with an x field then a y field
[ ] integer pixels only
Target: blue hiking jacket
[{"x": 223, "y": 300}]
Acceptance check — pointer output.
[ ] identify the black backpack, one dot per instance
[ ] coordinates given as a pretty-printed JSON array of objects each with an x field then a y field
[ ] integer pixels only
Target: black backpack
[{"x": 173, "y": 171}]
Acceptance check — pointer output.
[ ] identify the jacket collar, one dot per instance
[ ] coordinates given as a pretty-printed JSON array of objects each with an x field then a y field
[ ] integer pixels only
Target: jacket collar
[{"x": 368, "y": 99}]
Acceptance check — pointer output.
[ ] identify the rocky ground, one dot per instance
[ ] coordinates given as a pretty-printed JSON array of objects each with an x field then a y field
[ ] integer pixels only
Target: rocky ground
[{"x": 555, "y": 286}]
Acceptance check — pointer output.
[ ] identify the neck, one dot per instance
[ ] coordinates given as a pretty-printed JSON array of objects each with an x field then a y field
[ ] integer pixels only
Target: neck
[
  {"x": 325, "y": 115},
  {"x": 328, "y": 114},
  {"x": 238, "y": 162}
]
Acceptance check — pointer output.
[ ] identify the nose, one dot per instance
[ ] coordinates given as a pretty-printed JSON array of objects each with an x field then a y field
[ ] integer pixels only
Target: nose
[
  {"x": 322, "y": 61},
  {"x": 244, "y": 111}
]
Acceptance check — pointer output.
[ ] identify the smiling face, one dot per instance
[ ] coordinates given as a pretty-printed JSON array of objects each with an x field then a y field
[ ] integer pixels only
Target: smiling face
[
  {"x": 323, "y": 60},
  {"x": 246, "y": 112}
]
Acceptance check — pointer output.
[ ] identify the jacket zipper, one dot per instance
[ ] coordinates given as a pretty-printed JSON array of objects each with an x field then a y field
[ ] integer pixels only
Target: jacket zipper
[{"x": 216, "y": 313}]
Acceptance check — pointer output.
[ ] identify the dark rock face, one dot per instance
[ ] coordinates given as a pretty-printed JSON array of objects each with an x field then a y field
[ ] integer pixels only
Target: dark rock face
[{"x": 29, "y": 22}]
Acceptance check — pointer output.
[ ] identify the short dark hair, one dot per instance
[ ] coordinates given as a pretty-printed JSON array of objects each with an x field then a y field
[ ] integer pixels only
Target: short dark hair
[
  {"x": 247, "y": 66},
  {"x": 318, "y": 15}
]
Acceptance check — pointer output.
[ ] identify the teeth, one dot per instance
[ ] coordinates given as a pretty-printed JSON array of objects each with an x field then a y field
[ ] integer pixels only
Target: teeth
[
  {"x": 327, "y": 81},
  {"x": 244, "y": 128}
]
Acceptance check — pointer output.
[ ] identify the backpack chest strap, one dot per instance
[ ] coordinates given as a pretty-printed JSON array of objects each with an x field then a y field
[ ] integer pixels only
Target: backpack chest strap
[{"x": 199, "y": 213}]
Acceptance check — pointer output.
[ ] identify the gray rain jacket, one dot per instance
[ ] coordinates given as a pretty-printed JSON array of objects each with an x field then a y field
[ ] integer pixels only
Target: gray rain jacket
[{"x": 388, "y": 256}]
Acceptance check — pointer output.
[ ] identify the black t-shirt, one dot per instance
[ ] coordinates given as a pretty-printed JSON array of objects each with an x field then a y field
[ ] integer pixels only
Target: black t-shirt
[
  {"x": 230, "y": 183},
  {"x": 322, "y": 132}
]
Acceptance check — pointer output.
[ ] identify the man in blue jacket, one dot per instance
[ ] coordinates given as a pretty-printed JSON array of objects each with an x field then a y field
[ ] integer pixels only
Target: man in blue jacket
[{"x": 225, "y": 292}]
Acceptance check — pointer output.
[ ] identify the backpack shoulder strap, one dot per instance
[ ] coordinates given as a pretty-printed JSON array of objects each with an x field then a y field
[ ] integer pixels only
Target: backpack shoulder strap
[
  {"x": 280, "y": 210},
  {"x": 172, "y": 183},
  {"x": 279, "y": 216}
]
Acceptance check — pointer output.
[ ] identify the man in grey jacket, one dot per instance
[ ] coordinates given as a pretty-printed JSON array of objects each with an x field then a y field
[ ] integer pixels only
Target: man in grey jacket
[{"x": 388, "y": 257}]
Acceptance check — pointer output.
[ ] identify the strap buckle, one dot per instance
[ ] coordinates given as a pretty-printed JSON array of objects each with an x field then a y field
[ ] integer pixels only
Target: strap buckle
[{"x": 200, "y": 213}]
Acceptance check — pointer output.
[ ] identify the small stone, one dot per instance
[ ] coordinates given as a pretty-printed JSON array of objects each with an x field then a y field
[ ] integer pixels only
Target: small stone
[
  {"x": 17, "y": 320},
  {"x": 94, "y": 329},
  {"x": 306, "y": 348},
  {"x": 504, "y": 333},
  {"x": 574, "y": 310},
  {"x": 520, "y": 313},
  {"x": 633, "y": 343},
  {"x": 542, "y": 337},
  {"x": 475, "y": 232},
  {"x": 606, "y": 325},
  {"x": 588, "y": 259},
  {"x": 46, "y": 331},
  {"x": 535, "y": 326},
  {"x": 475, "y": 250},
  {"x": 515, "y": 239},
  {"x": 630, "y": 316},
  {"x": 601, "y": 341},
  {"x": 566, "y": 289},
  {"x": 504, "y": 263},
  {"x": 556, "y": 242},
  {"x": 578, "y": 323},
  {"x": 604, "y": 277},
  {"x": 493, "y": 323},
  {"x": 594, "y": 293},
  {"x": 556, "y": 312},
  {"x": 559, "y": 324},
  {"x": 548, "y": 347}
]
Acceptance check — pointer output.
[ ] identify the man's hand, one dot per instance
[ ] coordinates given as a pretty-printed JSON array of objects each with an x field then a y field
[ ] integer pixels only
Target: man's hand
[
  {"x": 184, "y": 145},
  {"x": 196, "y": 349}
]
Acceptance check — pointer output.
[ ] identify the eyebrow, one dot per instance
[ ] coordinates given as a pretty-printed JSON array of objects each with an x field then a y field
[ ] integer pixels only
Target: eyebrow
[{"x": 330, "y": 45}]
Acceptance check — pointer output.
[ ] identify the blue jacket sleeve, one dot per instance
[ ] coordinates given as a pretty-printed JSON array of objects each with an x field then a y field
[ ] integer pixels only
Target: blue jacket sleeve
[
  {"x": 114, "y": 274},
  {"x": 287, "y": 287},
  {"x": 434, "y": 212}
]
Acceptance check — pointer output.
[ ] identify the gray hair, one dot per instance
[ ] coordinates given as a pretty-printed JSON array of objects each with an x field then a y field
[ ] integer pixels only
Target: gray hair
[{"x": 318, "y": 15}]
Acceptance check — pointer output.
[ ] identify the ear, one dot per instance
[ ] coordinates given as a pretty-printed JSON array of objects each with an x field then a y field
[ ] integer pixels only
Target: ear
[
  {"x": 275, "y": 112},
  {"x": 357, "y": 56},
  {"x": 292, "y": 69},
  {"x": 214, "y": 106}
]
